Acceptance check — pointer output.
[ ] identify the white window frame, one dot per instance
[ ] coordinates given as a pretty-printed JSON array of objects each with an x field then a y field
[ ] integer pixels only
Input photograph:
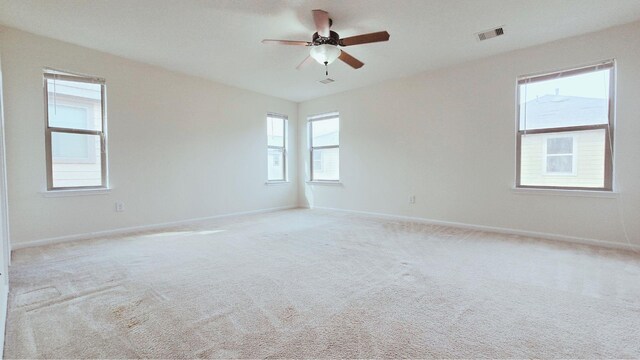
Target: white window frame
[
  {"x": 283, "y": 147},
  {"x": 51, "y": 74},
  {"x": 574, "y": 155},
  {"x": 608, "y": 127},
  {"x": 310, "y": 120}
]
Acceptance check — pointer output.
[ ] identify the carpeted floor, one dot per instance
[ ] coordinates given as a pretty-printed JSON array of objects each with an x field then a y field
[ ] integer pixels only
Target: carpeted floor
[{"x": 316, "y": 284}]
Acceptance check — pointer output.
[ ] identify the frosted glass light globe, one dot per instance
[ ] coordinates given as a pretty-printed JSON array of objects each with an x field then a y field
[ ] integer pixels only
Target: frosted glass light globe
[{"x": 325, "y": 53}]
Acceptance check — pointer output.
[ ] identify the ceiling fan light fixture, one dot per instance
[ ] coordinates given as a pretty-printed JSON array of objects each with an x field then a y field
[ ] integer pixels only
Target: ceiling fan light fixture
[
  {"x": 324, "y": 43},
  {"x": 325, "y": 53}
]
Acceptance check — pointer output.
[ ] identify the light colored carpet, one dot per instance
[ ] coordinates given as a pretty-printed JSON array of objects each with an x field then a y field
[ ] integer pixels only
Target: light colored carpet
[{"x": 310, "y": 283}]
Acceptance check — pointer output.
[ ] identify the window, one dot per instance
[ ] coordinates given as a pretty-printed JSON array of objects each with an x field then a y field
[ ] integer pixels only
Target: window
[
  {"x": 75, "y": 131},
  {"x": 559, "y": 156},
  {"x": 276, "y": 147},
  {"x": 565, "y": 129},
  {"x": 324, "y": 140}
]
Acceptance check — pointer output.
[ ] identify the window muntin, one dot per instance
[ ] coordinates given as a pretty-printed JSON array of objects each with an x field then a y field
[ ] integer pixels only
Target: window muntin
[
  {"x": 75, "y": 131},
  {"x": 565, "y": 136},
  {"x": 276, "y": 147},
  {"x": 324, "y": 140}
]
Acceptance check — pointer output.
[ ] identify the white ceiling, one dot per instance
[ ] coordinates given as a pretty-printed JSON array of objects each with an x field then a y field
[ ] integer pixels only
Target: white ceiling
[{"x": 220, "y": 39}]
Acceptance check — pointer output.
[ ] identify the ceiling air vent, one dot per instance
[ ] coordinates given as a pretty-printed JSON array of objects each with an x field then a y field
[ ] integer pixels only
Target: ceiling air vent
[
  {"x": 486, "y": 35},
  {"x": 327, "y": 81}
]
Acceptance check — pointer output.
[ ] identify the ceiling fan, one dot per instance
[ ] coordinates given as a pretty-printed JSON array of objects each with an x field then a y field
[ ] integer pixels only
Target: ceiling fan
[{"x": 325, "y": 43}]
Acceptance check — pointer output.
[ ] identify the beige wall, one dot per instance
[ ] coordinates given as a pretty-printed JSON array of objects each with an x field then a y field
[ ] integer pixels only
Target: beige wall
[
  {"x": 5, "y": 253},
  {"x": 448, "y": 137},
  {"x": 179, "y": 147}
]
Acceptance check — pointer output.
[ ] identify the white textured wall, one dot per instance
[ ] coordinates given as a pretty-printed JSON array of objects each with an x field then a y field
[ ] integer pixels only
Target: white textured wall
[
  {"x": 449, "y": 138},
  {"x": 5, "y": 252},
  {"x": 179, "y": 147}
]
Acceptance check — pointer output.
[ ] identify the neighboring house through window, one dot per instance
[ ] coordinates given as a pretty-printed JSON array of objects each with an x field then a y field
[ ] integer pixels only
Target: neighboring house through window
[
  {"x": 324, "y": 145},
  {"x": 75, "y": 131},
  {"x": 560, "y": 156},
  {"x": 276, "y": 147},
  {"x": 565, "y": 129}
]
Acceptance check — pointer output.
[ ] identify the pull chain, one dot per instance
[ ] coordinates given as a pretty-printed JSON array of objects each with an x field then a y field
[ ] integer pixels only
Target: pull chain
[
  {"x": 55, "y": 104},
  {"x": 326, "y": 67}
]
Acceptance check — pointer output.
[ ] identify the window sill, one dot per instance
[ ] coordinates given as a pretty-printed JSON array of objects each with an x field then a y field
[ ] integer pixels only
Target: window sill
[
  {"x": 278, "y": 182},
  {"x": 319, "y": 182},
  {"x": 79, "y": 192},
  {"x": 560, "y": 192}
]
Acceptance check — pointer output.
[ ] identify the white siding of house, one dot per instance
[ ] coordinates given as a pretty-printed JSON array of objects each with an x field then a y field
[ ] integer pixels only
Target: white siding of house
[
  {"x": 69, "y": 175},
  {"x": 589, "y": 148}
]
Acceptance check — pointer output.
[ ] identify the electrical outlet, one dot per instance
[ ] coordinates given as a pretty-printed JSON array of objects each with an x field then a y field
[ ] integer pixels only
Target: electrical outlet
[
  {"x": 412, "y": 199},
  {"x": 119, "y": 206}
]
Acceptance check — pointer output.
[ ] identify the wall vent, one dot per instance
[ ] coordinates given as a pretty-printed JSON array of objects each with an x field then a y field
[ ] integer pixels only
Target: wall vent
[
  {"x": 327, "y": 81},
  {"x": 486, "y": 35}
]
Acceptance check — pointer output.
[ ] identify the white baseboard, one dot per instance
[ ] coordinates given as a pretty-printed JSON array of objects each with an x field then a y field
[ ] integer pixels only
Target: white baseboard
[
  {"x": 131, "y": 229},
  {"x": 535, "y": 234}
]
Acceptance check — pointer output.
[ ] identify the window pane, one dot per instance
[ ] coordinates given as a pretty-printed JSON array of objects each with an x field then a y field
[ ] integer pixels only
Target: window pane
[
  {"x": 562, "y": 145},
  {"x": 577, "y": 100},
  {"x": 275, "y": 131},
  {"x": 70, "y": 146},
  {"x": 560, "y": 164},
  {"x": 74, "y": 105},
  {"x": 326, "y": 164},
  {"x": 587, "y": 169},
  {"x": 325, "y": 132},
  {"x": 76, "y": 160},
  {"x": 275, "y": 164}
]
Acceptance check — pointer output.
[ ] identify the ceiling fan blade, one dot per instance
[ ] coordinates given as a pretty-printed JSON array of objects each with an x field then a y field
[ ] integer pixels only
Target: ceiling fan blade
[
  {"x": 286, "y": 42},
  {"x": 321, "y": 19},
  {"x": 365, "y": 38},
  {"x": 308, "y": 60},
  {"x": 350, "y": 60}
]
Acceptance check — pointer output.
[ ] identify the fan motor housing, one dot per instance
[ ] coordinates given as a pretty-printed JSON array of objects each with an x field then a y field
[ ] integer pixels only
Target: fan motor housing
[{"x": 333, "y": 39}]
